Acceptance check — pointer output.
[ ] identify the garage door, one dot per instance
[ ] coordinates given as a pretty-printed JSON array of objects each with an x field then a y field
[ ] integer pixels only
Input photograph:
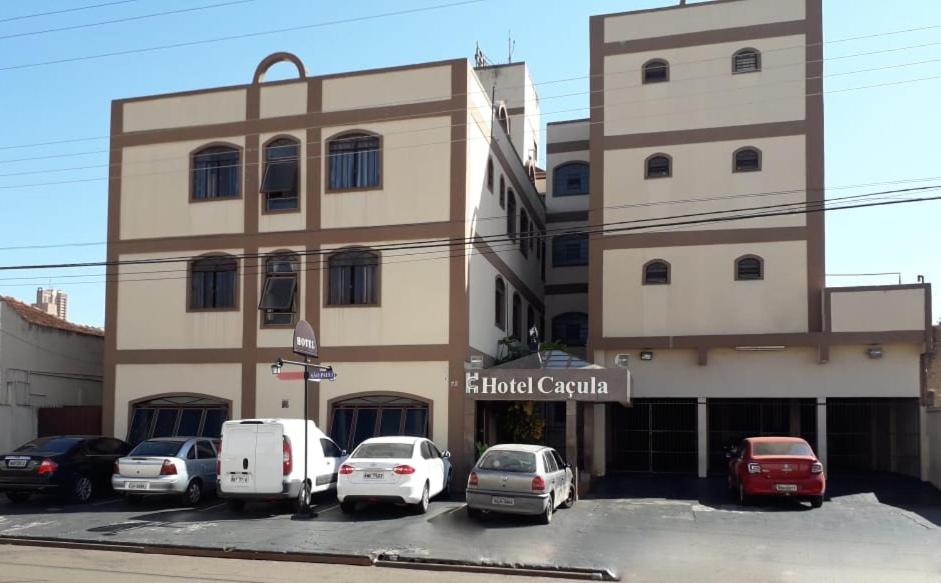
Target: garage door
[
  {"x": 653, "y": 437},
  {"x": 873, "y": 435}
]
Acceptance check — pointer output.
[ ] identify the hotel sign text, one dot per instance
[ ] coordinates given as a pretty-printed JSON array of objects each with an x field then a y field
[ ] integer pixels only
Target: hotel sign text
[{"x": 595, "y": 385}]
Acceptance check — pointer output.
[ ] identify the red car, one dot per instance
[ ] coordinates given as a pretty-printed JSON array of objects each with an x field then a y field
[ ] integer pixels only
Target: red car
[{"x": 776, "y": 466}]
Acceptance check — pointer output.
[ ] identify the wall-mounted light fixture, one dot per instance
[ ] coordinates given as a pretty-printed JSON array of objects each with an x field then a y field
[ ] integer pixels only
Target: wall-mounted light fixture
[
  {"x": 276, "y": 367},
  {"x": 874, "y": 351},
  {"x": 476, "y": 361},
  {"x": 646, "y": 355},
  {"x": 622, "y": 360}
]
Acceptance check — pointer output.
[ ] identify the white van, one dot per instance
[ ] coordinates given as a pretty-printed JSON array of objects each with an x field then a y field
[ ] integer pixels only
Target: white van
[{"x": 263, "y": 459}]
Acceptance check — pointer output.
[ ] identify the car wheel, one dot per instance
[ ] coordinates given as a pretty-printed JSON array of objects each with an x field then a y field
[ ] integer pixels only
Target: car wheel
[
  {"x": 82, "y": 490},
  {"x": 816, "y": 501},
  {"x": 193, "y": 493},
  {"x": 18, "y": 497},
  {"x": 348, "y": 507},
  {"x": 546, "y": 516},
  {"x": 236, "y": 505},
  {"x": 422, "y": 506},
  {"x": 743, "y": 498},
  {"x": 570, "y": 499}
]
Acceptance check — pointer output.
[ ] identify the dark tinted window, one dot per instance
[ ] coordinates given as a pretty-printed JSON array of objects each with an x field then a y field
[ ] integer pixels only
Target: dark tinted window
[
  {"x": 50, "y": 445},
  {"x": 747, "y": 160},
  {"x": 166, "y": 422},
  {"x": 749, "y": 268},
  {"x": 212, "y": 283},
  {"x": 785, "y": 448},
  {"x": 140, "y": 425},
  {"x": 216, "y": 173},
  {"x": 426, "y": 451},
  {"x": 435, "y": 452},
  {"x": 509, "y": 461},
  {"x": 279, "y": 183},
  {"x": 549, "y": 461},
  {"x": 329, "y": 448},
  {"x": 570, "y": 328},
  {"x": 353, "y": 278},
  {"x": 558, "y": 459},
  {"x": 212, "y": 426},
  {"x": 390, "y": 422},
  {"x": 191, "y": 452},
  {"x": 416, "y": 422},
  {"x": 570, "y": 179},
  {"x": 384, "y": 450},
  {"x": 353, "y": 162},
  {"x": 656, "y": 71},
  {"x": 657, "y": 272},
  {"x": 158, "y": 448},
  {"x": 189, "y": 422},
  {"x": 570, "y": 250},
  {"x": 365, "y": 425},
  {"x": 746, "y": 61},
  {"x": 659, "y": 167},
  {"x": 204, "y": 450}
]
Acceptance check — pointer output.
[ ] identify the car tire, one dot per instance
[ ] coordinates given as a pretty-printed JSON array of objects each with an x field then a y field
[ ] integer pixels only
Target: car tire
[
  {"x": 546, "y": 516},
  {"x": 348, "y": 507},
  {"x": 83, "y": 489},
  {"x": 18, "y": 497},
  {"x": 235, "y": 505},
  {"x": 816, "y": 501},
  {"x": 421, "y": 506},
  {"x": 570, "y": 499},
  {"x": 193, "y": 494}
]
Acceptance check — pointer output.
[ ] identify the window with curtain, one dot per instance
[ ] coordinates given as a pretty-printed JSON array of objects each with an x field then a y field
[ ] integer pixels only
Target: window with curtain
[
  {"x": 746, "y": 61},
  {"x": 353, "y": 161},
  {"x": 747, "y": 160},
  {"x": 570, "y": 179},
  {"x": 570, "y": 250},
  {"x": 656, "y": 272},
  {"x": 750, "y": 267},
  {"x": 499, "y": 307},
  {"x": 353, "y": 278},
  {"x": 570, "y": 328},
  {"x": 216, "y": 172},
  {"x": 213, "y": 283},
  {"x": 656, "y": 71},
  {"x": 279, "y": 182},
  {"x": 658, "y": 166},
  {"x": 279, "y": 296}
]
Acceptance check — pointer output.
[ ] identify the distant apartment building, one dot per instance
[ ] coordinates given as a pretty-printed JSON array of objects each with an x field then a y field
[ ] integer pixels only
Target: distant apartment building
[
  {"x": 52, "y": 301},
  {"x": 402, "y": 213}
]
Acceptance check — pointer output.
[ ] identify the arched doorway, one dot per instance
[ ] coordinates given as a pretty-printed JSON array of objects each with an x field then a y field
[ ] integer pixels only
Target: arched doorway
[
  {"x": 182, "y": 415},
  {"x": 360, "y": 417}
]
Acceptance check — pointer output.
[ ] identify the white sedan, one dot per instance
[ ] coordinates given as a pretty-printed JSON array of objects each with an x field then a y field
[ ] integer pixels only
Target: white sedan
[{"x": 400, "y": 470}]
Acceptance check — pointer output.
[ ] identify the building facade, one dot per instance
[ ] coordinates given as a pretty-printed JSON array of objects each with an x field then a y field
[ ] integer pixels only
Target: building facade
[{"x": 53, "y": 301}]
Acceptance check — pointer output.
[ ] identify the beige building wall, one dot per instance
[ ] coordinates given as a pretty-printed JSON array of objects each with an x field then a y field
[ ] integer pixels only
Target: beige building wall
[
  {"x": 146, "y": 381},
  {"x": 702, "y": 91},
  {"x": 271, "y": 392},
  {"x": 185, "y": 110},
  {"x": 703, "y": 296},
  {"x": 414, "y": 293},
  {"x": 360, "y": 91},
  {"x": 284, "y": 221},
  {"x": 790, "y": 373},
  {"x": 696, "y": 18},
  {"x": 879, "y": 310},
  {"x": 425, "y": 380},
  {"x": 152, "y": 307},
  {"x": 484, "y": 333},
  {"x": 283, "y": 99},
  {"x": 155, "y": 194},
  {"x": 415, "y": 177}
]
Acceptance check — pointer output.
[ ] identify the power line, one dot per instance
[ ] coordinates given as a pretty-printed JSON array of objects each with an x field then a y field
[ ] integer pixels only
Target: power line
[
  {"x": 127, "y": 19},
  {"x": 76, "y": 9}
]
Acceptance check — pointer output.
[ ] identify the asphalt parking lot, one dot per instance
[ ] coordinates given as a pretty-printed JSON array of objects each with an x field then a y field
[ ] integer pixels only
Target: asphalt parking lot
[{"x": 873, "y": 528}]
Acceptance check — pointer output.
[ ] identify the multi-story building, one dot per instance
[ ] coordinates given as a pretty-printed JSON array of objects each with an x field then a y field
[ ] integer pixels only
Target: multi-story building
[{"x": 52, "y": 301}]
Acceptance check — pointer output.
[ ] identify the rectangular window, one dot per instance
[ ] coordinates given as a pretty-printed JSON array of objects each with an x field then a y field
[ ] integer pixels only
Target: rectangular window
[
  {"x": 353, "y": 279},
  {"x": 570, "y": 250},
  {"x": 353, "y": 162},
  {"x": 212, "y": 285},
  {"x": 277, "y": 300},
  {"x": 280, "y": 186},
  {"x": 216, "y": 174}
]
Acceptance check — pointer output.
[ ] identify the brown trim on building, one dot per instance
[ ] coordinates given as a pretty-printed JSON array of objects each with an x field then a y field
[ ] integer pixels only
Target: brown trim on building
[
  {"x": 795, "y": 339},
  {"x": 108, "y": 388},
  {"x": 324, "y": 261},
  {"x": 314, "y": 199},
  {"x": 326, "y": 161},
  {"x": 596, "y": 241},
  {"x": 705, "y": 37},
  {"x": 702, "y": 356},
  {"x": 704, "y": 135},
  {"x": 379, "y": 233},
  {"x": 191, "y": 171},
  {"x": 703, "y": 237},
  {"x": 504, "y": 270},
  {"x": 827, "y": 305},
  {"x": 280, "y": 57},
  {"x": 564, "y": 147},
  {"x": 815, "y": 165},
  {"x": 559, "y": 289},
  {"x": 567, "y": 217},
  {"x": 251, "y": 263},
  {"x": 262, "y": 354}
]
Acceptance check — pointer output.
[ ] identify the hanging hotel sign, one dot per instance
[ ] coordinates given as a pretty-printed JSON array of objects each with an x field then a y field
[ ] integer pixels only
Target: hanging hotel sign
[
  {"x": 305, "y": 341},
  {"x": 597, "y": 385}
]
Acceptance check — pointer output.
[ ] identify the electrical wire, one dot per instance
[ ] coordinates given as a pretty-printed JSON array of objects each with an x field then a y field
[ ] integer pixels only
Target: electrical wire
[{"x": 63, "y": 11}]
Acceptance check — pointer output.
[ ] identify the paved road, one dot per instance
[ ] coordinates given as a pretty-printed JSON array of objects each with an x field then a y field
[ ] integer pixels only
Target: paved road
[
  {"x": 33, "y": 565},
  {"x": 873, "y": 529}
]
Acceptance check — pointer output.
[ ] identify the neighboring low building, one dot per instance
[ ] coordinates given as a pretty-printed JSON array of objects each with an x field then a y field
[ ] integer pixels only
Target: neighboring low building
[{"x": 46, "y": 364}]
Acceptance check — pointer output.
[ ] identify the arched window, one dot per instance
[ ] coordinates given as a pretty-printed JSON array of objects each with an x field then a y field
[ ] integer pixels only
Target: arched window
[
  {"x": 656, "y": 71},
  {"x": 570, "y": 250},
  {"x": 511, "y": 214},
  {"x": 178, "y": 414},
  {"x": 503, "y": 118},
  {"x": 747, "y": 160},
  {"x": 354, "y": 162},
  {"x": 353, "y": 278},
  {"x": 516, "y": 331},
  {"x": 570, "y": 179},
  {"x": 749, "y": 267},
  {"x": 502, "y": 192},
  {"x": 279, "y": 183},
  {"x": 358, "y": 418},
  {"x": 656, "y": 272},
  {"x": 213, "y": 283},
  {"x": 658, "y": 166},
  {"x": 499, "y": 304},
  {"x": 490, "y": 174},
  {"x": 570, "y": 328},
  {"x": 746, "y": 61},
  {"x": 216, "y": 172},
  {"x": 279, "y": 295}
]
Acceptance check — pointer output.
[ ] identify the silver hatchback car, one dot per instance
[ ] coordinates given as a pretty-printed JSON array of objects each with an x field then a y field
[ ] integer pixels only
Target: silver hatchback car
[
  {"x": 185, "y": 466},
  {"x": 520, "y": 479}
]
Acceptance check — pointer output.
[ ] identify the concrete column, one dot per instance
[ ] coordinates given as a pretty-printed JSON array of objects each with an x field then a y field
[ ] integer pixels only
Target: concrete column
[
  {"x": 599, "y": 458},
  {"x": 702, "y": 430},
  {"x": 794, "y": 418},
  {"x": 571, "y": 432},
  {"x": 924, "y": 449},
  {"x": 822, "y": 430}
]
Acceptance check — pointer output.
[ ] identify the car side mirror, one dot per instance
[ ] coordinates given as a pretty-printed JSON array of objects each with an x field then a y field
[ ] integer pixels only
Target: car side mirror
[{"x": 446, "y": 454}]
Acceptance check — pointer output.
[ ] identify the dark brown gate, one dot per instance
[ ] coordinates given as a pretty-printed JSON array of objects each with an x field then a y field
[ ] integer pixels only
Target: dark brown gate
[{"x": 76, "y": 420}]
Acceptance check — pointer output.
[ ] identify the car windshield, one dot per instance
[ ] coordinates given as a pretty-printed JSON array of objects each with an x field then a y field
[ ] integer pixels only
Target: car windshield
[
  {"x": 509, "y": 461},
  {"x": 157, "y": 448},
  {"x": 781, "y": 448},
  {"x": 52, "y": 445},
  {"x": 384, "y": 450}
]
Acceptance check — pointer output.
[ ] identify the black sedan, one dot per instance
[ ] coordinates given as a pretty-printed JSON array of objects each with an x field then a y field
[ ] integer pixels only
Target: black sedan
[{"x": 73, "y": 466}]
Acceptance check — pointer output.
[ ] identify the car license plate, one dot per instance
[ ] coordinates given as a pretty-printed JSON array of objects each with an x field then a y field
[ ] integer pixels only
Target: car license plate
[
  {"x": 137, "y": 485},
  {"x": 238, "y": 479},
  {"x": 503, "y": 501},
  {"x": 373, "y": 475},
  {"x": 17, "y": 463},
  {"x": 786, "y": 487}
]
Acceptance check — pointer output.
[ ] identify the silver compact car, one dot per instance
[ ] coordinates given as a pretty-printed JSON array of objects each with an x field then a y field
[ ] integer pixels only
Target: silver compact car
[
  {"x": 182, "y": 466},
  {"x": 520, "y": 479}
]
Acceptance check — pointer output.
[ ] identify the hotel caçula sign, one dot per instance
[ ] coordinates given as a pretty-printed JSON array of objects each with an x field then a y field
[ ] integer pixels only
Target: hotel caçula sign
[{"x": 593, "y": 385}]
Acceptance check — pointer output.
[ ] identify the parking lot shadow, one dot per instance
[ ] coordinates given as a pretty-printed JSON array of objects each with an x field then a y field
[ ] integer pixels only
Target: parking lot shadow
[{"x": 903, "y": 492}]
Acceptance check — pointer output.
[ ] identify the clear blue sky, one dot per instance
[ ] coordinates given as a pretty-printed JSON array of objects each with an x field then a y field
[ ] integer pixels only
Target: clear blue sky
[{"x": 872, "y": 135}]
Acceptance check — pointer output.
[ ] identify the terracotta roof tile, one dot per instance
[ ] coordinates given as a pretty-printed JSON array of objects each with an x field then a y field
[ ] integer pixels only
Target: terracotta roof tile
[{"x": 40, "y": 318}]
